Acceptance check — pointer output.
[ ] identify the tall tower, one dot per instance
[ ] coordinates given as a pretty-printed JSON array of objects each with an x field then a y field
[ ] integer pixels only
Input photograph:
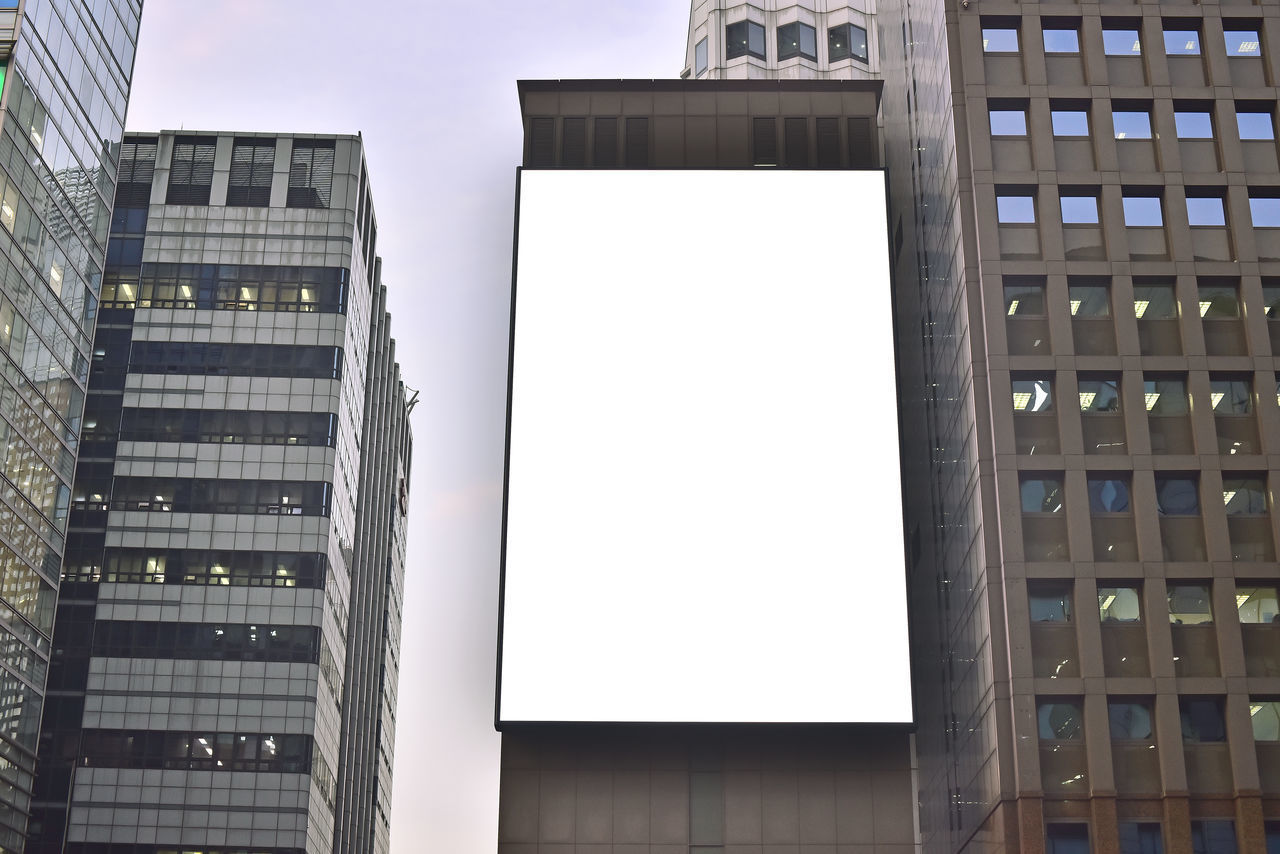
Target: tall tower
[
  {"x": 226, "y": 648},
  {"x": 1087, "y": 201},
  {"x": 1084, "y": 220},
  {"x": 65, "y": 71},
  {"x": 779, "y": 40}
]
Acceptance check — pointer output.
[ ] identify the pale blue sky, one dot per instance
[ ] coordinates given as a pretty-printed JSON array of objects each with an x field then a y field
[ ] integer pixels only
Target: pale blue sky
[{"x": 431, "y": 85}]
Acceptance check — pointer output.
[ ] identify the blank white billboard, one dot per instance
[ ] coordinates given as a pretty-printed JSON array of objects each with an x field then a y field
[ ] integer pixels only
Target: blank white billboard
[{"x": 704, "y": 511}]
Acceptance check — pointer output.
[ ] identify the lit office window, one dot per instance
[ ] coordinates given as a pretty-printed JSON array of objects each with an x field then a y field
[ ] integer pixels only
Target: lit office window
[
  {"x": 1190, "y": 604},
  {"x": 1257, "y": 604},
  {"x": 1119, "y": 604},
  {"x": 1034, "y": 395},
  {"x": 1099, "y": 395}
]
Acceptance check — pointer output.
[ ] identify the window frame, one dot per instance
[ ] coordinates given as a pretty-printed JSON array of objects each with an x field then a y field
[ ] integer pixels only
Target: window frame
[
  {"x": 749, "y": 28},
  {"x": 800, "y": 28}
]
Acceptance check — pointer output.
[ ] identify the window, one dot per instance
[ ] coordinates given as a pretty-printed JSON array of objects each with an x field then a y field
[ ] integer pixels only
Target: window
[
  {"x": 1059, "y": 721},
  {"x": 191, "y": 170},
  {"x": 1089, "y": 300},
  {"x": 1177, "y": 496},
  {"x": 1015, "y": 209},
  {"x": 1101, "y": 395},
  {"x": 249, "y": 183},
  {"x": 700, "y": 57},
  {"x": 1119, "y": 604},
  {"x": 1140, "y": 837},
  {"x": 197, "y": 751},
  {"x": 1121, "y": 42},
  {"x": 1066, "y": 837},
  {"x": 1070, "y": 122},
  {"x": 1182, "y": 42},
  {"x": 1061, "y": 40},
  {"x": 1130, "y": 721},
  {"x": 999, "y": 40},
  {"x": 1032, "y": 395},
  {"x": 1041, "y": 495},
  {"x": 1213, "y": 837},
  {"x": 1142, "y": 211},
  {"x": 797, "y": 39},
  {"x": 1078, "y": 210},
  {"x": 1108, "y": 495},
  {"x": 310, "y": 173},
  {"x": 1024, "y": 300},
  {"x": 1243, "y": 42},
  {"x": 1264, "y": 211},
  {"x": 1255, "y": 122},
  {"x": 1257, "y": 604},
  {"x": 1265, "y": 715},
  {"x": 244, "y": 360},
  {"x": 1155, "y": 302},
  {"x": 1131, "y": 124},
  {"x": 1193, "y": 124},
  {"x": 1049, "y": 603},
  {"x": 1244, "y": 496},
  {"x": 1219, "y": 302},
  {"x": 1231, "y": 396},
  {"x": 206, "y": 641},
  {"x": 1008, "y": 122},
  {"x": 1202, "y": 720},
  {"x": 847, "y": 41},
  {"x": 744, "y": 38},
  {"x": 1205, "y": 210},
  {"x": 1190, "y": 604}
]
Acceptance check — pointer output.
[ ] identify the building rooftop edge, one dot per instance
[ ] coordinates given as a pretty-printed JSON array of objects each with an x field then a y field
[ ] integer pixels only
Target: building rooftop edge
[
  {"x": 226, "y": 132},
  {"x": 684, "y": 86}
]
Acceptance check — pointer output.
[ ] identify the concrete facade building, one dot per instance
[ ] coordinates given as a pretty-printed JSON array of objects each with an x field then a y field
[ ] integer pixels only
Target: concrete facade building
[
  {"x": 1085, "y": 231},
  {"x": 66, "y": 75},
  {"x": 1084, "y": 223},
  {"x": 226, "y": 647}
]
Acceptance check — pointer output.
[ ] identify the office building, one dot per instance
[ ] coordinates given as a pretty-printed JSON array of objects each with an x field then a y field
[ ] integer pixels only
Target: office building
[
  {"x": 225, "y": 653},
  {"x": 681, "y": 778},
  {"x": 1084, "y": 217},
  {"x": 66, "y": 74}
]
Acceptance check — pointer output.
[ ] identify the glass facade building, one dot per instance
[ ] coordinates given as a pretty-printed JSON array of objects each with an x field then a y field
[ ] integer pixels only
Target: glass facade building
[
  {"x": 67, "y": 70},
  {"x": 226, "y": 643}
]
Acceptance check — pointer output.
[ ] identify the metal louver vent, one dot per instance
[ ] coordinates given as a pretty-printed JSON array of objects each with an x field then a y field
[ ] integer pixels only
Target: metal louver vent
[
  {"x": 136, "y": 172},
  {"x": 191, "y": 170},
  {"x": 310, "y": 173},
  {"x": 249, "y": 183}
]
